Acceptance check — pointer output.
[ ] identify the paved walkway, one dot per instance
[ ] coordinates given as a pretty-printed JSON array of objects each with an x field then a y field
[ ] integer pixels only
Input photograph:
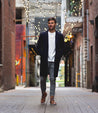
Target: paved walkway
[{"x": 69, "y": 100}]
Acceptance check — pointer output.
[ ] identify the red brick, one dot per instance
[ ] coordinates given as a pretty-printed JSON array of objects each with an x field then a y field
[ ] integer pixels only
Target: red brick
[{"x": 8, "y": 44}]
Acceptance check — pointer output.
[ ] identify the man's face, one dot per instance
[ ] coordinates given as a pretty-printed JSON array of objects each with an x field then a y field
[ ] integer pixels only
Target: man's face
[{"x": 51, "y": 25}]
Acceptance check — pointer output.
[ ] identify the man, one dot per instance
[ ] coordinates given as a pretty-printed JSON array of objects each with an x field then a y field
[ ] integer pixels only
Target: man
[{"x": 50, "y": 47}]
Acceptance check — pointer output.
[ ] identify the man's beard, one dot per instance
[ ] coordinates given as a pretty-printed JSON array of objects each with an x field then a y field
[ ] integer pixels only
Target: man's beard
[{"x": 53, "y": 28}]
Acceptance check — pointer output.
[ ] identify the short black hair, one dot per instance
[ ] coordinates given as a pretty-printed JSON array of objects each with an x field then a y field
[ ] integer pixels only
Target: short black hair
[{"x": 52, "y": 18}]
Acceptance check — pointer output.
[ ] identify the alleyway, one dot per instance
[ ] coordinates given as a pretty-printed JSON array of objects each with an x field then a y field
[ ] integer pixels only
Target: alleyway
[{"x": 69, "y": 100}]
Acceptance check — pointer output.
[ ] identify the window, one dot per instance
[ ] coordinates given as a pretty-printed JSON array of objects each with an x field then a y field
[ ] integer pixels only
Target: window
[
  {"x": 74, "y": 7},
  {"x": 96, "y": 27},
  {"x": 96, "y": 21},
  {"x": 0, "y": 32},
  {"x": 19, "y": 16}
]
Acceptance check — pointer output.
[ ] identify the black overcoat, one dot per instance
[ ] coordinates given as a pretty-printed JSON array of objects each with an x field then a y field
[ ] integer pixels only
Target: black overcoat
[{"x": 42, "y": 49}]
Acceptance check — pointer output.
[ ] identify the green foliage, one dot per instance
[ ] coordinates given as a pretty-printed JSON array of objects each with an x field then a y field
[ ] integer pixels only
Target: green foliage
[{"x": 74, "y": 6}]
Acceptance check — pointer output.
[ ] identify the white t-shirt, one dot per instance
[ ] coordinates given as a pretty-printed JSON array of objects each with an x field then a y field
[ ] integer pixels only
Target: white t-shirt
[{"x": 51, "y": 46}]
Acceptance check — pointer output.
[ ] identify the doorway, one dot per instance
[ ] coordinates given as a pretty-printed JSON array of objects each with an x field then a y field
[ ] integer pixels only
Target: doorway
[{"x": 91, "y": 64}]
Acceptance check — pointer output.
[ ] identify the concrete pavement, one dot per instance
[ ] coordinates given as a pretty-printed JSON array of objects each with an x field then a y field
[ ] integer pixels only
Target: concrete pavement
[{"x": 69, "y": 100}]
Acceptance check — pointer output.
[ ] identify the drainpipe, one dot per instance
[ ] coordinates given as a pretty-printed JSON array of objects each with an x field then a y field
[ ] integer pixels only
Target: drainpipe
[{"x": 87, "y": 14}]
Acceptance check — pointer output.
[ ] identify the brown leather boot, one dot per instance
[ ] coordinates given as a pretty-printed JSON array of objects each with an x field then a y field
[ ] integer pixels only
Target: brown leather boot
[
  {"x": 52, "y": 101},
  {"x": 43, "y": 97}
]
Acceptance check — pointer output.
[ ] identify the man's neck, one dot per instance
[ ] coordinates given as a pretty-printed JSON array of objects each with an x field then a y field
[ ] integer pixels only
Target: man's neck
[{"x": 52, "y": 31}]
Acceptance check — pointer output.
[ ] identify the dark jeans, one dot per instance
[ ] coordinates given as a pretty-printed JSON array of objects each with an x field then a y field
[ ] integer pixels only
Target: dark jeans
[{"x": 52, "y": 80}]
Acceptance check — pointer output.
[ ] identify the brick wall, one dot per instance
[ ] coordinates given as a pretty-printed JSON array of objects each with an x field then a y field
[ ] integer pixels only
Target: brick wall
[
  {"x": 0, "y": 32},
  {"x": 8, "y": 44},
  {"x": 84, "y": 45},
  {"x": 78, "y": 57},
  {"x": 93, "y": 13}
]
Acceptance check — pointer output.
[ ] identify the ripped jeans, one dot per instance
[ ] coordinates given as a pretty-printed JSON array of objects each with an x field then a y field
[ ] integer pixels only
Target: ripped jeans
[{"x": 52, "y": 80}]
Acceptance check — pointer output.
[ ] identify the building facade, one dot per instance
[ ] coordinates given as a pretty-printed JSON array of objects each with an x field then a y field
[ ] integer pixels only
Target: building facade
[
  {"x": 7, "y": 44},
  {"x": 93, "y": 43},
  {"x": 85, "y": 44},
  {"x": 74, "y": 28}
]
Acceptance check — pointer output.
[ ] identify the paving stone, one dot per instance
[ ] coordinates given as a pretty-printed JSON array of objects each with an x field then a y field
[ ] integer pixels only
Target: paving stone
[{"x": 69, "y": 100}]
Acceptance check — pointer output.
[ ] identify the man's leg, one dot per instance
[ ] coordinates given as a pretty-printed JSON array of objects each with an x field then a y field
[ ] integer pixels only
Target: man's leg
[
  {"x": 52, "y": 82},
  {"x": 43, "y": 88},
  {"x": 43, "y": 84}
]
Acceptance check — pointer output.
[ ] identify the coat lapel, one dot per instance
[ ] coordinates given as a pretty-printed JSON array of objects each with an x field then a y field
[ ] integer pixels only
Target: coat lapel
[
  {"x": 56, "y": 39},
  {"x": 47, "y": 42}
]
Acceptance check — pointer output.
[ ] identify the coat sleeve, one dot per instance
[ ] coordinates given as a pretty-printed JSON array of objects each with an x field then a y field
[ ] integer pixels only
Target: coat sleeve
[
  {"x": 39, "y": 46},
  {"x": 62, "y": 44}
]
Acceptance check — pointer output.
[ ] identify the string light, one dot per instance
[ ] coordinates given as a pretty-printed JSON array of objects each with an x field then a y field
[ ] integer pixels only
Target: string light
[
  {"x": 42, "y": 8},
  {"x": 75, "y": 10},
  {"x": 48, "y": 8}
]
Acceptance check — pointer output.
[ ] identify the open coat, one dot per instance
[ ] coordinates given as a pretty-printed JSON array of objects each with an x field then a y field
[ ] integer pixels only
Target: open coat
[{"x": 42, "y": 48}]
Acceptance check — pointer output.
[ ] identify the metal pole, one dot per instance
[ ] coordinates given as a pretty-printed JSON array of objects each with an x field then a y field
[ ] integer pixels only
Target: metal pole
[
  {"x": 27, "y": 51},
  {"x": 21, "y": 62},
  {"x": 63, "y": 13},
  {"x": 26, "y": 54}
]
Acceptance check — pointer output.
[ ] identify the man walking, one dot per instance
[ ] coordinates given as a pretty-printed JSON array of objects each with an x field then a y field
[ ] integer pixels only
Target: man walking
[{"x": 50, "y": 47}]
